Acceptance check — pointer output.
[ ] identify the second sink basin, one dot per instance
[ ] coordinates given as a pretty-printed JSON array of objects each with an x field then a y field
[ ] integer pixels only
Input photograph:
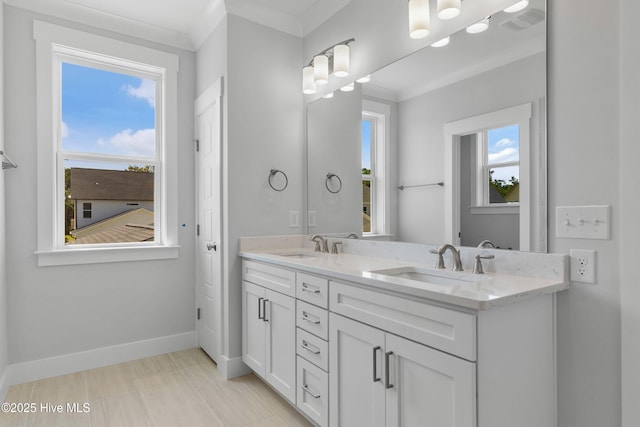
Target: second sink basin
[{"x": 432, "y": 276}]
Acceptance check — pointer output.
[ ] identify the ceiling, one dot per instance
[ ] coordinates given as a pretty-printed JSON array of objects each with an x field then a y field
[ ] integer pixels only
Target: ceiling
[{"x": 186, "y": 23}]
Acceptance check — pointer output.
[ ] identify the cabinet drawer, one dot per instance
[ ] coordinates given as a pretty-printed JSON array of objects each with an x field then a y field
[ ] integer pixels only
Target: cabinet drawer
[
  {"x": 312, "y": 289},
  {"x": 313, "y": 319},
  {"x": 312, "y": 348},
  {"x": 274, "y": 278},
  {"x": 313, "y": 392},
  {"x": 447, "y": 330}
]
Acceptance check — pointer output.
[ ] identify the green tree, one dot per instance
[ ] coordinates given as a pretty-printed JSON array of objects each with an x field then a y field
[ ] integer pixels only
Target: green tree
[{"x": 147, "y": 168}]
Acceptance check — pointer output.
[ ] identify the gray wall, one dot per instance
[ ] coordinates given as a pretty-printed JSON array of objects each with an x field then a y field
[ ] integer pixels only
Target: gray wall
[
  {"x": 502, "y": 229},
  {"x": 3, "y": 282},
  {"x": 584, "y": 137},
  {"x": 60, "y": 310},
  {"x": 263, "y": 122}
]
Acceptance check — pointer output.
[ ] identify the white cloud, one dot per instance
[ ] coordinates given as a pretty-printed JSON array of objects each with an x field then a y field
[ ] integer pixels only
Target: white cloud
[
  {"x": 146, "y": 91},
  {"x": 509, "y": 154},
  {"x": 140, "y": 143},
  {"x": 64, "y": 130},
  {"x": 505, "y": 142}
]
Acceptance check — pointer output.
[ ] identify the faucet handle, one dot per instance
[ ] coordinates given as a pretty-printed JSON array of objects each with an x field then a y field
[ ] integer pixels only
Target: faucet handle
[
  {"x": 477, "y": 267},
  {"x": 334, "y": 246},
  {"x": 440, "y": 263}
]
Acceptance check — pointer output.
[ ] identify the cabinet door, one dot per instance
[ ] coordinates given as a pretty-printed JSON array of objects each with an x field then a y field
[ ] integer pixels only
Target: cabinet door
[
  {"x": 356, "y": 355},
  {"x": 253, "y": 327},
  {"x": 428, "y": 387},
  {"x": 280, "y": 368}
]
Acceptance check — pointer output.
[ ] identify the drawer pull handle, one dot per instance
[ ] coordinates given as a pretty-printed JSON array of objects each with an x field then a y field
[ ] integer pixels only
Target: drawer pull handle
[
  {"x": 264, "y": 310},
  {"x": 306, "y": 388},
  {"x": 307, "y": 288},
  {"x": 375, "y": 363},
  {"x": 305, "y": 345},
  {"x": 386, "y": 369},
  {"x": 260, "y": 308},
  {"x": 307, "y": 317}
]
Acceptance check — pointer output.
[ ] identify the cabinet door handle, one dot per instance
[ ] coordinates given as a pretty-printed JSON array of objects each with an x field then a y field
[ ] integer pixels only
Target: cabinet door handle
[
  {"x": 375, "y": 363},
  {"x": 307, "y": 288},
  {"x": 387, "y": 355},
  {"x": 260, "y": 312},
  {"x": 306, "y": 388},
  {"x": 307, "y": 317},
  {"x": 264, "y": 310},
  {"x": 305, "y": 345}
]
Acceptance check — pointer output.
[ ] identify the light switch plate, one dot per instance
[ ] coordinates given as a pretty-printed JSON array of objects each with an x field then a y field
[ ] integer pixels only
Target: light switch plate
[
  {"x": 583, "y": 222},
  {"x": 294, "y": 219},
  {"x": 311, "y": 220},
  {"x": 583, "y": 265}
]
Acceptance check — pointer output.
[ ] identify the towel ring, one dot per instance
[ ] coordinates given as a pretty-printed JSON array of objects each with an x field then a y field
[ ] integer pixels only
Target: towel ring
[
  {"x": 326, "y": 183},
  {"x": 275, "y": 172}
]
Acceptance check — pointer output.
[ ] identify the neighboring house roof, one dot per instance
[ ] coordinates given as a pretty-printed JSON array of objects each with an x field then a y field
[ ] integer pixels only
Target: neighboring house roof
[
  {"x": 119, "y": 234},
  {"x": 100, "y": 184},
  {"x": 513, "y": 195},
  {"x": 134, "y": 216}
]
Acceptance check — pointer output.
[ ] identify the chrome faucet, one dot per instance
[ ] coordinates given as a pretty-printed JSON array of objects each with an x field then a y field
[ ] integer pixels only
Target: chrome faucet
[
  {"x": 457, "y": 262},
  {"x": 352, "y": 236},
  {"x": 321, "y": 243},
  {"x": 486, "y": 244}
]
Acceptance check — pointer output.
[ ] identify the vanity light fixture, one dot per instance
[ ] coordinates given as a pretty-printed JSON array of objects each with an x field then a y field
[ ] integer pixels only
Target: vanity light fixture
[
  {"x": 479, "y": 26},
  {"x": 448, "y": 9},
  {"x": 442, "y": 42},
  {"x": 349, "y": 87},
  {"x": 419, "y": 19},
  {"x": 308, "y": 85},
  {"x": 364, "y": 79},
  {"x": 317, "y": 71},
  {"x": 517, "y": 6}
]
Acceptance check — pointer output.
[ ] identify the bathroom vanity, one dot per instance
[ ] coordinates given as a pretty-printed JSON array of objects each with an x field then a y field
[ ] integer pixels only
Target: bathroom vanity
[{"x": 367, "y": 338}]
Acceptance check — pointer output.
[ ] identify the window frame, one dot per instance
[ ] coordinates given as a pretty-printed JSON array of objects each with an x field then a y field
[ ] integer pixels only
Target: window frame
[
  {"x": 54, "y": 45},
  {"x": 483, "y": 167}
]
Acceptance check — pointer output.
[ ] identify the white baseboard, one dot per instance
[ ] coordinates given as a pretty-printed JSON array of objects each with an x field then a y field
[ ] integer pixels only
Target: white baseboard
[
  {"x": 76, "y": 362},
  {"x": 232, "y": 368},
  {"x": 5, "y": 382}
]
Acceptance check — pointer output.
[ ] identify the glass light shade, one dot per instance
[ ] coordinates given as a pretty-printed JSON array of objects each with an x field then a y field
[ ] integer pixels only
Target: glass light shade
[
  {"x": 419, "y": 20},
  {"x": 478, "y": 27},
  {"x": 341, "y": 60},
  {"x": 442, "y": 42},
  {"x": 364, "y": 79},
  {"x": 448, "y": 9},
  {"x": 349, "y": 87},
  {"x": 328, "y": 95},
  {"x": 308, "y": 85},
  {"x": 517, "y": 6},
  {"x": 321, "y": 70}
]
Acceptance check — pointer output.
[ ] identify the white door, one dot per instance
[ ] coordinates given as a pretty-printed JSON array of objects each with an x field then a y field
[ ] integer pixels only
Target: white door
[
  {"x": 428, "y": 387},
  {"x": 280, "y": 367},
  {"x": 253, "y": 327},
  {"x": 209, "y": 274},
  {"x": 356, "y": 374}
]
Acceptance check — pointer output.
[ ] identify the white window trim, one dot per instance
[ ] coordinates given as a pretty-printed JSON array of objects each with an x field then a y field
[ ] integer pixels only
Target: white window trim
[
  {"x": 481, "y": 198},
  {"x": 380, "y": 115},
  {"x": 51, "y": 251}
]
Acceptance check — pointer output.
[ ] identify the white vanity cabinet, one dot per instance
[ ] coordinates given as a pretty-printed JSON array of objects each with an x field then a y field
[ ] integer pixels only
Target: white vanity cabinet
[{"x": 269, "y": 326}]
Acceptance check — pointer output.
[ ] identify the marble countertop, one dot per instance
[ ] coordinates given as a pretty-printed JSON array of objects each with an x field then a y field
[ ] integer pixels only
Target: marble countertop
[{"x": 474, "y": 291}]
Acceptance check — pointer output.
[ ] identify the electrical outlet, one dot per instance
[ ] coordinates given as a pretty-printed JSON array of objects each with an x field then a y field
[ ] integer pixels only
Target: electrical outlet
[{"x": 583, "y": 265}]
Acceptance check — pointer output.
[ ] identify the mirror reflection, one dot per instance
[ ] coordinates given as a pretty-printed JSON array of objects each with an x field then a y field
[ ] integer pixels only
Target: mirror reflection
[{"x": 449, "y": 147}]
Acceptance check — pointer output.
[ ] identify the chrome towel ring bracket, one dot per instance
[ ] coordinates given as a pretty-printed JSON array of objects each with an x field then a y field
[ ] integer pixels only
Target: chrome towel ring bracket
[
  {"x": 270, "y": 180},
  {"x": 329, "y": 179}
]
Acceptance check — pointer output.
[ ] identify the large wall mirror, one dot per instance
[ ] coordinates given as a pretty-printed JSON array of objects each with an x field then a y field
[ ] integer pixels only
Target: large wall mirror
[{"x": 445, "y": 145}]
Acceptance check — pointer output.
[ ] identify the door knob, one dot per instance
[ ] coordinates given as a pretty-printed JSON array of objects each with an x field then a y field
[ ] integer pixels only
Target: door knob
[{"x": 212, "y": 246}]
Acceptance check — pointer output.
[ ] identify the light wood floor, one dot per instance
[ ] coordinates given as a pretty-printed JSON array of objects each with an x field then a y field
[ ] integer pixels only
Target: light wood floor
[{"x": 176, "y": 389}]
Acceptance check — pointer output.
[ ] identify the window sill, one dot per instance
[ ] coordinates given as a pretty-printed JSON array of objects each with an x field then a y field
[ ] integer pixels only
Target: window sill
[
  {"x": 105, "y": 255},
  {"x": 510, "y": 209}
]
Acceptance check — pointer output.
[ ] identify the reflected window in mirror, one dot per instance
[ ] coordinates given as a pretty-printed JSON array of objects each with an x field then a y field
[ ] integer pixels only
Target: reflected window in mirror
[
  {"x": 499, "y": 166},
  {"x": 368, "y": 170}
]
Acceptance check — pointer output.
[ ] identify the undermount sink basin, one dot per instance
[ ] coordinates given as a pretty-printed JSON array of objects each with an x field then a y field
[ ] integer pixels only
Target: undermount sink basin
[{"x": 434, "y": 277}]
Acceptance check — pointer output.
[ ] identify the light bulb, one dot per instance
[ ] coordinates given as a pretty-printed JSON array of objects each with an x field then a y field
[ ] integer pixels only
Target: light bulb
[
  {"x": 517, "y": 6},
  {"x": 308, "y": 85},
  {"x": 341, "y": 60},
  {"x": 321, "y": 70},
  {"x": 448, "y": 9},
  {"x": 419, "y": 20}
]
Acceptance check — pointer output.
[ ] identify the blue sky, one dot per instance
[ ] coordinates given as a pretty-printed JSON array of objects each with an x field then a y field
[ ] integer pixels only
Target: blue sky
[
  {"x": 106, "y": 112},
  {"x": 366, "y": 144},
  {"x": 504, "y": 146}
]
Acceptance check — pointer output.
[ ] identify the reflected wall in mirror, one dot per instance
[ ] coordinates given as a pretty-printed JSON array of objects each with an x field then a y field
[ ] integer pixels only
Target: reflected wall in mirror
[{"x": 474, "y": 75}]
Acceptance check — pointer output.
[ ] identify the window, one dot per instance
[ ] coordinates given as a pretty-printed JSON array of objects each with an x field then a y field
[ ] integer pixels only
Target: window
[
  {"x": 107, "y": 131},
  {"x": 375, "y": 185},
  {"x": 498, "y": 166}
]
